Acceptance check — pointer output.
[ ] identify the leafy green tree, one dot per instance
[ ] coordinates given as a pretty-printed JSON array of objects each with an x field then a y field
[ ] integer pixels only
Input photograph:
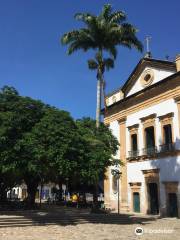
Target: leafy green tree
[
  {"x": 43, "y": 152},
  {"x": 98, "y": 147},
  {"x": 102, "y": 33},
  {"x": 17, "y": 116},
  {"x": 39, "y": 143}
]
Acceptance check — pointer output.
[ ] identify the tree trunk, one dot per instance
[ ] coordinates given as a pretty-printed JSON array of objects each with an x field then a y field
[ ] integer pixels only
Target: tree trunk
[
  {"x": 3, "y": 193},
  {"x": 95, "y": 196},
  {"x": 103, "y": 92},
  {"x": 31, "y": 189},
  {"x": 60, "y": 192},
  {"x": 98, "y": 106},
  {"x": 40, "y": 195}
]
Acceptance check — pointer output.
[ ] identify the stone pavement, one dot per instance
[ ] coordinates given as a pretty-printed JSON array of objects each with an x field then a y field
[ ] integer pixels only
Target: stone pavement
[{"x": 71, "y": 224}]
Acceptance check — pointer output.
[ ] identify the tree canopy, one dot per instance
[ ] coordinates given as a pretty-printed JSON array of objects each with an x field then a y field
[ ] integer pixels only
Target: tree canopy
[
  {"x": 102, "y": 33},
  {"x": 99, "y": 146},
  {"x": 40, "y": 143},
  {"x": 105, "y": 31}
]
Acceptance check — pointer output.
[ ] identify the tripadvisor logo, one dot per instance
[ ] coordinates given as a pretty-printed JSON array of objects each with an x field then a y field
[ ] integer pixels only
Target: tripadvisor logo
[{"x": 139, "y": 231}]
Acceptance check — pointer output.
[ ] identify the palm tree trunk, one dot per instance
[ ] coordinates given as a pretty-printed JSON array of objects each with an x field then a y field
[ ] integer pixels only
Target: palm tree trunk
[
  {"x": 103, "y": 92},
  {"x": 98, "y": 103}
]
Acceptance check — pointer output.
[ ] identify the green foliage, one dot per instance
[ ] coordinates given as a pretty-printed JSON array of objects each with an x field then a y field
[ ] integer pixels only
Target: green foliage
[
  {"x": 34, "y": 139},
  {"x": 100, "y": 64},
  {"x": 47, "y": 144},
  {"x": 98, "y": 147},
  {"x": 17, "y": 117},
  {"x": 105, "y": 32},
  {"x": 102, "y": 33},
  {"x": 39, "y": 143}
]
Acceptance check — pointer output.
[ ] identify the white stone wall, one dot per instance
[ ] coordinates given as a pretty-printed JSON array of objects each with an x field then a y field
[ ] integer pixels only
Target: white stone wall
[
  {"x": 169, "y": 167},
  {"x": 114, "y": 126},
  {"x": 117, "y": 96},
  {"x": 169, "y": 170},
  {"x": 160, "y": 109}
]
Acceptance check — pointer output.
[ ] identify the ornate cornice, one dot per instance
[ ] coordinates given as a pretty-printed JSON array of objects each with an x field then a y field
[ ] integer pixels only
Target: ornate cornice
[
  {"x": 177, "y": 99},
  {"x": 156, "y": 170},
  {"x": 168, "y": 115},
  {"x": 149, "y": 117},
  {"x": 135, "y": 126},
  {"x": 122, "y": 120}
]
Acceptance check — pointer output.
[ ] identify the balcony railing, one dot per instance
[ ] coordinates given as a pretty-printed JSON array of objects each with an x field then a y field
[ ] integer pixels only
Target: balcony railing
[
  {"x": 169, "y": 147},
  {"x": 149, "y": 151},
  {"x": 133, "y": 154}
]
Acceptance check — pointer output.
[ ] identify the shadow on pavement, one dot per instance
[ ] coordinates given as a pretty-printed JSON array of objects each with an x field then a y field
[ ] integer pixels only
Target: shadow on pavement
[{"x": 66, "y": 216}]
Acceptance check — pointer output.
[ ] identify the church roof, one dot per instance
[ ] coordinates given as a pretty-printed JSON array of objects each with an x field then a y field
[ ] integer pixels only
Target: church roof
[
  {"x": 147, "y": 62},
  {"x": 144, "y": 62},
  {"x": 153, "y": 86}
]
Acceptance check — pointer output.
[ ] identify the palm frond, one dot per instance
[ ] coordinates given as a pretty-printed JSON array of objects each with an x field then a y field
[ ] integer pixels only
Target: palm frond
[
  {"x": 129, "y": 28},
  {"x": 129, "y": 36},
  {"x": 112, "y": 50},
  {"x": 85, "y": 17},
  {"x": 80, "y": 39},
  {"x": 89, "y": 19},
  {"x": 117, "y": 17},
  {"x": 80, "y": 45},
  {"x": 69, "y": 37},
  {"x": 92, "y": 64},
  {"x": 109, "y": 63},
  {"x": 106, "y": 11}
]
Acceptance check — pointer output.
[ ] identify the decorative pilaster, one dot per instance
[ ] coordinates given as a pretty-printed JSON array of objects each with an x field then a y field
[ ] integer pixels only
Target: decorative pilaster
[
  {"x": 107, "y": 189},
  {"x": 177, "y": 100},
  {"x": 124, "y": 185}
]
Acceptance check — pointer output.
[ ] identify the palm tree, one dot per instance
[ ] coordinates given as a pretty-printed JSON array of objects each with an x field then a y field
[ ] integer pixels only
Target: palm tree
[
  {"x": 100, "y": 64},
  {"x": 102, "y": 33}
]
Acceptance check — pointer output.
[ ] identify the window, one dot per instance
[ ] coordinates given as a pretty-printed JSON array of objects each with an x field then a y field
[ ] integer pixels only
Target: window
[
  {"x": 134, "y": 146},
  {"x": 149, "y": 140},
  {"x": 167, "y": 134},
  {"x": 167, "y": 139},
  {"x": 133, "y": 140},
  {"x": 147, "y": 77}
]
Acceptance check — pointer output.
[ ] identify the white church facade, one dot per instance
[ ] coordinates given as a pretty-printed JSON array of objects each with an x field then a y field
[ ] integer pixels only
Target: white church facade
[{"x": 144, "y": 115}]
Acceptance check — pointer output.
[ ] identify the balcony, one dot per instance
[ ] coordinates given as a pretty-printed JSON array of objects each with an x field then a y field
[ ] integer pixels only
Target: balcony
[
  {"x": 133, "y": 154},
  {"x": 150, "y": 151},
  {"x": 169, "y": 147}
]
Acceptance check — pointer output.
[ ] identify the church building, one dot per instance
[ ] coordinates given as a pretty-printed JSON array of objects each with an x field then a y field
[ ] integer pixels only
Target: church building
[{"x": 144, "y": 115}]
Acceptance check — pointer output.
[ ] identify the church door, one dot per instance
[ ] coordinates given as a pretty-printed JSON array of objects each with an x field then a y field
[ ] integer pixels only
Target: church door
[
  {"x": 153, "y": 198},
  {"x": 173, "y": 209},
  {"x": 136, "y": 202}
]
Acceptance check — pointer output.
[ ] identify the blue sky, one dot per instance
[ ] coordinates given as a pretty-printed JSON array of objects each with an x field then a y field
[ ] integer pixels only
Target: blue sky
[{"x": 33, "y": 61}]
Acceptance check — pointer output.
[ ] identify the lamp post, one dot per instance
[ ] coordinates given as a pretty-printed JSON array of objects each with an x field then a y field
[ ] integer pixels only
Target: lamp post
[{"x": 116, "y": 173}]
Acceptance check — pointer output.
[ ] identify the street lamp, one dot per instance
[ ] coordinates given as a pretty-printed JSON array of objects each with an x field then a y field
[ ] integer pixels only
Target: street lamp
[{"x": 116, "y": 173}]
